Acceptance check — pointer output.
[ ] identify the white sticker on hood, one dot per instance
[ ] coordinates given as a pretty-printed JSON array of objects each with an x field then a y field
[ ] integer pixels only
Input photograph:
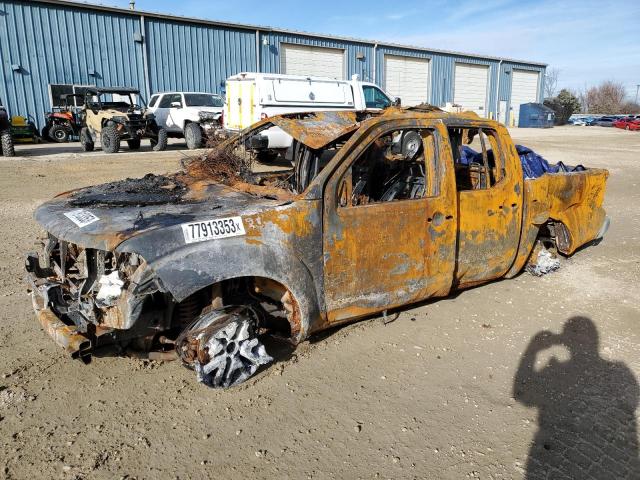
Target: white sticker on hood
[
  {"x": 212, "y": 229},
  {"x": 81, "y": 217}
]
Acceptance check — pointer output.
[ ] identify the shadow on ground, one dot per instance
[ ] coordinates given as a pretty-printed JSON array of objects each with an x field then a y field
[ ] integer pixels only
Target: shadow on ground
[{"x": 586, "y": 405}]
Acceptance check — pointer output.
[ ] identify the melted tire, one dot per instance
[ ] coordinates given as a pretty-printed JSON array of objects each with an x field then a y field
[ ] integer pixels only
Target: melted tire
[{"x": 228, "y": 349}]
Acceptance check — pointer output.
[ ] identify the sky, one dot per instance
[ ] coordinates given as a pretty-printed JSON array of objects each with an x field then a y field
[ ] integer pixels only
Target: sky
[{"x": 588, "y": 41}]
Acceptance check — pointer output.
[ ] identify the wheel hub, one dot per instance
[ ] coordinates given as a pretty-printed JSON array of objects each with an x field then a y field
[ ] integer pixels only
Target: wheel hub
[{"x": 227, "y": 350}]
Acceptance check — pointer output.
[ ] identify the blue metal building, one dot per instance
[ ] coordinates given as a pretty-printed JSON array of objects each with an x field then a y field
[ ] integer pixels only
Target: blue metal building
[{"x": 49, "y": 46}]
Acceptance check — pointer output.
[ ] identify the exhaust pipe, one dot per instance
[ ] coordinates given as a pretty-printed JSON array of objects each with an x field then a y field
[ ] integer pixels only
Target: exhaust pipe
[{"x": 74, "y": 343}]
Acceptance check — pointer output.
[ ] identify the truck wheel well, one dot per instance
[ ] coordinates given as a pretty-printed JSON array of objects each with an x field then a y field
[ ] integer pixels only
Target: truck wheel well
[
  {"x": 555, "y": 233},
  {"x": 278, "y": 309}
]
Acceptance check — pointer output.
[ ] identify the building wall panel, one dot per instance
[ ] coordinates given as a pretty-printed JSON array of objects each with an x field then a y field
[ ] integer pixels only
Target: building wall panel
[
  {"x": 196, "y": 57},
  {"x": 270, "y": 50},
  {"x": 58, "y": 44}
]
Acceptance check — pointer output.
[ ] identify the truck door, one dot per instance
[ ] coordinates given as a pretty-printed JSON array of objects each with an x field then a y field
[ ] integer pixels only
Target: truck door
[
  {"x": 489, "y": 186},
  {"x": 389, "y": 221},
  {"x": 162, "y": 110},
  {"x": 174, "y": 117}
]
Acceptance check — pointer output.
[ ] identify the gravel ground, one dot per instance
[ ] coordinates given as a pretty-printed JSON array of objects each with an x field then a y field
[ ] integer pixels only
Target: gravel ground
[{"x": 438, "y": 393}]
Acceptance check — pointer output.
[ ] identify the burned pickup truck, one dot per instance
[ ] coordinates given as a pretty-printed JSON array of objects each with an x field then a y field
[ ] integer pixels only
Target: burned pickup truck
[{"x": 379, "y": 211}]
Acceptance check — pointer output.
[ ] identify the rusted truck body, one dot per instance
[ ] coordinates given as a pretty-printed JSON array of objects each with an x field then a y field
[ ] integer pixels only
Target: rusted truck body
[{"x": 379, "y": 211}]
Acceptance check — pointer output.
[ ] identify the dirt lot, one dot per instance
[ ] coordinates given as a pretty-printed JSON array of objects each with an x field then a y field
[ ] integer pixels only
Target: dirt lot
[{"x": 430, "y": 395}]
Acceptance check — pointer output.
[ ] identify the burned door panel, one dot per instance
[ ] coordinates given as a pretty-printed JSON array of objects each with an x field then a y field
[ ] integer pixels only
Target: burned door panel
[
  {"x": 489, "y": 183},
  {"x": 388, "y": 215}
]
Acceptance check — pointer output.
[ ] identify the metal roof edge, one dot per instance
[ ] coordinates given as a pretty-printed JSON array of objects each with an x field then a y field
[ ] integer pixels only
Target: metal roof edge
[{"x": 265, "y": 28}]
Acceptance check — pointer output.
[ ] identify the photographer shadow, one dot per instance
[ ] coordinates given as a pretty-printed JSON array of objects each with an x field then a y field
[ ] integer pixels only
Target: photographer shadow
[{"x": 586, "y": 408}]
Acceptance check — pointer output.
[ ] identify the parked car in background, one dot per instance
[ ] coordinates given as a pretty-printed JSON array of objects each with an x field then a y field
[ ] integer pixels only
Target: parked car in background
[
  {"x": 605, "y": 121},
  {"x": 628, "y": 123},
  {"x": 252, "y": 97},
  {"x": 578, "y": 122},
  {"x": 189, "y": 115}
]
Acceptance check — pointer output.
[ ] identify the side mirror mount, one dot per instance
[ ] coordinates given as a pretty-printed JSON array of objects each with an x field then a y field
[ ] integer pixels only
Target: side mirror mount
[
  {"x": 176, "y": 105},
  {"x": 397, "y": 102}
]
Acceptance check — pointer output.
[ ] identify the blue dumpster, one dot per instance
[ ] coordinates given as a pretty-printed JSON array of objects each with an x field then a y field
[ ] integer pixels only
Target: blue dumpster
[{"x": 536, "y": 115}]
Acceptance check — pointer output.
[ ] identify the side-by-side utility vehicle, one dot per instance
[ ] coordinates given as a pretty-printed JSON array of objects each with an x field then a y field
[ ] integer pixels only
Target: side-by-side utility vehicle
[
  {"x": 111, "y": 114},
  {"x": 205, "y": 263}
]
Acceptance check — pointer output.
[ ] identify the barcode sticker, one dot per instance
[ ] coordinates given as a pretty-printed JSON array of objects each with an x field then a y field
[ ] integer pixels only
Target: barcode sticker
[{"x": 81, "y": 217}]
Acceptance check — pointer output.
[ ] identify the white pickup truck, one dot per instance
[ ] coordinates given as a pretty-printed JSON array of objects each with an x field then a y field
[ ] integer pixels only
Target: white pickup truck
[
  {"x": 192, "y": 115},
  {"x": 251, "y": 97}
]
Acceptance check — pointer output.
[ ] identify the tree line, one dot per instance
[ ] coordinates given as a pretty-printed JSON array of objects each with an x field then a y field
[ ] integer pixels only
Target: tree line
[{"x": 609, "y": 97}]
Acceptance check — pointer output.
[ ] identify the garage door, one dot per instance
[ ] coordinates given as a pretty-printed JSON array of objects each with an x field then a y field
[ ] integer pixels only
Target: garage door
[
  {"x": 524, "y": 89},
  {"x": 407, "y": 78},
  {"x": 312, "y": 61},
  {"x": 470, "y": 87}
]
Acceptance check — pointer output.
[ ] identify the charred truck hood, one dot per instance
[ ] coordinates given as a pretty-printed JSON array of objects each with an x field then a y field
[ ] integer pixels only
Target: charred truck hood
[{"x": 121, "y": 213}]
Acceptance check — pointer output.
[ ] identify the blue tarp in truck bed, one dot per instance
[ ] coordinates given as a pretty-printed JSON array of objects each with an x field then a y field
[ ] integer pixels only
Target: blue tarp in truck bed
[{"x": 533, "y": 165}]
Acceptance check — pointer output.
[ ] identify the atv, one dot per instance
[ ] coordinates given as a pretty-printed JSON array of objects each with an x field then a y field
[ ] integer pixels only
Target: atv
[
  {"x": 111, "y": 119},
  {"x": 6, "y": 141},
  {"x": 64, "y": 121}
]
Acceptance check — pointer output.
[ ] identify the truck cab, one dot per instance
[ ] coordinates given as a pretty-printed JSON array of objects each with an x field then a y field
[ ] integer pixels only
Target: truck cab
[{"x": 214, "y": 254}]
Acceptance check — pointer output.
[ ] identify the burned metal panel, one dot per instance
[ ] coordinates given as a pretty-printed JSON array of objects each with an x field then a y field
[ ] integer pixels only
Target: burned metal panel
[
  {"x": 318, "y": 129},
  {"x": 489, "y": 220},
  {"x": 575, "y": 199},
  {"x": 280, "y": 244},
  {"x": 387, "y": 254}
]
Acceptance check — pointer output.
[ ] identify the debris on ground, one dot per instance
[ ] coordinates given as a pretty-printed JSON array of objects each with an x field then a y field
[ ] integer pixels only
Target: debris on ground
[
  {"x": 222, "y": 164},
  {"x": 545, "y": 263}
]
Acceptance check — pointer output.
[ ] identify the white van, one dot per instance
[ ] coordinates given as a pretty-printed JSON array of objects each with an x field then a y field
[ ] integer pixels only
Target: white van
[{"x": 251, "y": 97}]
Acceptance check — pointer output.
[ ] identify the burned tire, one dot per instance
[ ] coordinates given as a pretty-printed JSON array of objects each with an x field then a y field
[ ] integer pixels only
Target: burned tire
[
  {"x": 193, "y": 136},
  {"x": 160, "y": 143},
  {"x": 59, "y": 133},
  {"x": 223, "y": 347},
  {"x": 110, "y": 139},
  {"x": 7, "y": 143},
  {"x": 134, "y": 144},
  {"x": 86, "y": 142}
]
